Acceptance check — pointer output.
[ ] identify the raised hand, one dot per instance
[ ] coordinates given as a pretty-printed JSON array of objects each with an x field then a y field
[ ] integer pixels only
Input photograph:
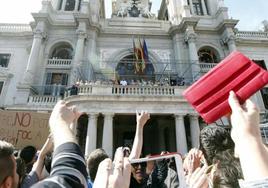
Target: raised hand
[
  {"x": 114, "y": 175},
  {"x": 142, "y": 117}
]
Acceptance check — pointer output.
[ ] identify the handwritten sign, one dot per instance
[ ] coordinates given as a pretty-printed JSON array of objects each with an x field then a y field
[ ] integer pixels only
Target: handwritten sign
[{"x": 24, "y": 128}]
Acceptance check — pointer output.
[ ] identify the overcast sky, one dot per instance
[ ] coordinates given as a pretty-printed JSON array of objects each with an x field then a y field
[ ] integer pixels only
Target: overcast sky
[{"x": 250, "y": 13}]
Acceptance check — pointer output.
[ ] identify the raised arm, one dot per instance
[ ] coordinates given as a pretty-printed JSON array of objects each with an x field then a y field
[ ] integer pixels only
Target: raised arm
[
  {"x": 247, "y": 137},
  {"x": 141, "y": 119},
  {"x": 39, "y": 164},
  {"x": 60, "y": 120},
  {"x": 68, "y": 165}
]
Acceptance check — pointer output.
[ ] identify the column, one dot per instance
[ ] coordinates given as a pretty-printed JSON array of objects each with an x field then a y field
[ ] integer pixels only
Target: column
[
  {"x": 79, "y": 53},
  {"x": 91, "y": 139},
  {"x": 76, "y": 5},
  {"x": 181, "y": 141},
  {"x": 195, "y": 131},
  {"x": 92, "y": 54},
  {"x": 204, "y": 8},
  {"x": 39, "y": 35},
  {"x": 107, "y": 138},
  {"x": 63, "y": 5},
  {"x": 191, "y": 6},
  {"x": 231, "y": 43},
  {"x": 190, "y": 38}
]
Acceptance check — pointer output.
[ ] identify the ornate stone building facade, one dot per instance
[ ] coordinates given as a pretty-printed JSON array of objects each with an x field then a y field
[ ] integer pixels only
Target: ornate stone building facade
[{"x": 71, "y": 40}]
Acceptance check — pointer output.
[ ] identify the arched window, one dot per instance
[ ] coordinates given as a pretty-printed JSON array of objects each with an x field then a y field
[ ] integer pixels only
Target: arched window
[
  {"x": 62, "y": 51},
  {"x": 208, "y": 55}
]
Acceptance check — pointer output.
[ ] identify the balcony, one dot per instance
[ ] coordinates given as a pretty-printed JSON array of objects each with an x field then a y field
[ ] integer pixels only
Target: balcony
[
  {"x": 129, "y": 90},
  {"x": 205, "y": 67},
  {"x": 59, "y": 63},
  {"x": 256, "y": 35},
  {"x": 43, "y": 100}
]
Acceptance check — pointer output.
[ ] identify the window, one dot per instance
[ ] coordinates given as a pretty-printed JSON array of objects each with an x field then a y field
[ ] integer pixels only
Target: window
[
  {"x": 63, "y": 51},
  {"x": 70, "y": 5},
  {"x": 1, "y": 86},
  {"x": 55, "y": 84},
  {"x": 4, "y": 60},
  {"x": 207, "y": 55},
  {"x": 197, "y": 7},
  {"x": 57, "y": 78}
]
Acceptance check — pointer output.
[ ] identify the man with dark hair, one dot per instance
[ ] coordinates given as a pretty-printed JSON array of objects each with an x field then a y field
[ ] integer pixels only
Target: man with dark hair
[
  {"x": 214, "y": 139},
  {"x": 228, "y": 170},
  {"x": 28, "y": 154},
  {"x": 93, "y": 161},
  {"x": 8, "y": 175}
]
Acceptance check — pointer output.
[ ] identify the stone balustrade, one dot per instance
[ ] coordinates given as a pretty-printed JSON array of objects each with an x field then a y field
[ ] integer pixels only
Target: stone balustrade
[
  {"x": 128, "y": 90},
  {"x": 15, "y": 28},
  {"x": 205, "y": 67},
  {"x": 252, "y": 35},
  {"x": 59, "y": 62},
  {"x": 143, "y": 90},
  {"x": 85, "y": 90},
  {"x": 43, "y": 100}
]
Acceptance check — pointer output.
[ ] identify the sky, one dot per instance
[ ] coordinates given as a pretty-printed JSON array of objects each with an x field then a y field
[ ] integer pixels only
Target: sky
[{"x": 250, "y": 13}]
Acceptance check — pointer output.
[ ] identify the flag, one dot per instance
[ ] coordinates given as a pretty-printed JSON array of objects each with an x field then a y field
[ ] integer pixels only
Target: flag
[
  {"x": 142, "y": 61},
  {"x": 135, "y": 52},
  {"x": 145, "y": 53}
]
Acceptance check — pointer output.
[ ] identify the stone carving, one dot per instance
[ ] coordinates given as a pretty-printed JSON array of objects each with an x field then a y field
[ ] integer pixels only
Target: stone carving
[
  {"x": 122, "y": 12},
  {"x": 146, "y": 12},
  {"x": 133, "y": 8}
]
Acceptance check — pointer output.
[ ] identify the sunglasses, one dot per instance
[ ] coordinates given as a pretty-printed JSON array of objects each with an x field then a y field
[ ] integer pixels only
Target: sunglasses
[{"x": 135, "y": 165}]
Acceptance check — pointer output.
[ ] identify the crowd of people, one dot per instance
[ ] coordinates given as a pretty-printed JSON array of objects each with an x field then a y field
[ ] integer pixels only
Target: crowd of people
[{"x": 239, "y": 159}]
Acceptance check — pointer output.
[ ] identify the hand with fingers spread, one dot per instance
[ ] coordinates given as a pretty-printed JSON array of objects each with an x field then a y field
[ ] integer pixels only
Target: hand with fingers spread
[
  {"x": 114, "y": 175},
  {"x": 246, "y": 135},
  {"x": 142, "y": 117}
]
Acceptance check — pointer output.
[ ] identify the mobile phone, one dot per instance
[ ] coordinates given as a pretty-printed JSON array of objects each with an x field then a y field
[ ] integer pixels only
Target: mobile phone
[{"x": 170, "y": 164}]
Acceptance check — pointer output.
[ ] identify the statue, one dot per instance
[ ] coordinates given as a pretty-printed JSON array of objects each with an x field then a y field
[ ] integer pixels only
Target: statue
[
  {"x": 122, "y": 12},
  {"x": 146, "y": 12}
]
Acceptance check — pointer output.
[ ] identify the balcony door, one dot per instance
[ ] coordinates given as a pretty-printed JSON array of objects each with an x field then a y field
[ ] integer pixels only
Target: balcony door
[{"x": 55, "y": 83}]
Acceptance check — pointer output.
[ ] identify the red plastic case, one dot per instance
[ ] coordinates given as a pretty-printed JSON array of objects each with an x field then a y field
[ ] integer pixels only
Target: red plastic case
[{"x": 209, "y": 95}]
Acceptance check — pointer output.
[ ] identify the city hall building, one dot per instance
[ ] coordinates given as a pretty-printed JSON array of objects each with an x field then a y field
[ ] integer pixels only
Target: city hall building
[{"x": 157, "y": 57}]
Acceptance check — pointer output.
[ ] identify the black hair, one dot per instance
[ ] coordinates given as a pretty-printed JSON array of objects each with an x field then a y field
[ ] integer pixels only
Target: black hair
[{"x": 214, "y": 139}]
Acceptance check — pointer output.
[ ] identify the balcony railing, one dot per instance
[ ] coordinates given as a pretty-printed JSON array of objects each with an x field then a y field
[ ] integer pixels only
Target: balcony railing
[
  {"x": 252, "y": 35},
  {"x": 129, "y": 90},
  {"x": 43, "y": 100},
  {"x": 205, "y": 67},
  {"x": 143, "y": 90},
  {"x": 59, "y": 62},
  {"x": 15, "y": 28}
]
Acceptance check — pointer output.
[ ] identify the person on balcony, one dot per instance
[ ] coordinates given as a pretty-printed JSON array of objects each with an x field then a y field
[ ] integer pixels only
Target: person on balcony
[{"x": 123, "y": 82}]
